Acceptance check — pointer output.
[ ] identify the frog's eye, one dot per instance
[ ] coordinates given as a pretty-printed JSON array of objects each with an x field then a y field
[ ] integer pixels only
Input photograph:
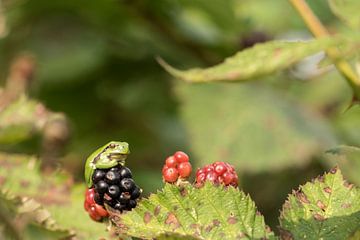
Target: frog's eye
[{"x": 112, "y": 145}]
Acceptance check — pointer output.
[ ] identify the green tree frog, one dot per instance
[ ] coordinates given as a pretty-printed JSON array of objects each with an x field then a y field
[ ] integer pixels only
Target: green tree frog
[{"x": 107, "y": 156}]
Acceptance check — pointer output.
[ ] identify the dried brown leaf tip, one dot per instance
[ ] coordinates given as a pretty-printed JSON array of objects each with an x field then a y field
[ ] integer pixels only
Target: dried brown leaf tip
[{"x": 334, "y": 170}]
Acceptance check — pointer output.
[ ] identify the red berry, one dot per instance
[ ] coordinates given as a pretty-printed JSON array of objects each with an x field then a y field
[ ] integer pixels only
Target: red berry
[
  {"x": 200, "y": 177},
  {"x": 181, "y": 157},
  {"x": 209, "y": 168},
  {"x": 86, "y": 205},
  {"x": 101, "y": 211},
  {"x": 218, "y": 172},
  {"x": 228, "y": 178},
  {"x": 89, "y": 196},
  {"x": 212, "y": 177},
  {"x": 171, "y": 162},
  {"x": 94, "y": 215},
  {"x": 184, "y": 169},
  {"x": 164, "y": 169},
  {"x": 170, "y": 175},
  {"x": 220, "y": 168}
]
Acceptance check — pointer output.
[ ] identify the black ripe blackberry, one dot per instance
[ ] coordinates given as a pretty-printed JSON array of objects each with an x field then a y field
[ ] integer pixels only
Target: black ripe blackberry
[
  {"x": 112, "y": 177},
  {"x": 116, "y": 188},
  {"x": 125, "y": 173},
  {"x": 101, "y": 187},
  {"x": 114, "y": 191},
  {"x": 98, "y": 175}
]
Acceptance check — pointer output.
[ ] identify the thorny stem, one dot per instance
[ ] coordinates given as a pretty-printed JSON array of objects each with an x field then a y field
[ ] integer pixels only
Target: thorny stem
[{"x": 318, "y": 30}]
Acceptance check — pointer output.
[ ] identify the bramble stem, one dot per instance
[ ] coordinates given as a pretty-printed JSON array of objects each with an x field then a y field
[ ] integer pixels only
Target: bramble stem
[{"x": 318, "y": 30}]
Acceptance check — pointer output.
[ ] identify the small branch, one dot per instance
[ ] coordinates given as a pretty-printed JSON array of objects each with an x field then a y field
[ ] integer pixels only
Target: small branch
[{"x": 318, "y": 30}]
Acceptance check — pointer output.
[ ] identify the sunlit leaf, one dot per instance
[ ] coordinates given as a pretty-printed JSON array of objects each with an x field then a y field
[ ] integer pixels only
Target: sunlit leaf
[
  {"x": 20, "y": 176},
  {"x": 326, "y": 208},
  {"x": 28, "y": 220},
  {"x": 210, "y": 212},
  {"x": 260, "y": 60}
]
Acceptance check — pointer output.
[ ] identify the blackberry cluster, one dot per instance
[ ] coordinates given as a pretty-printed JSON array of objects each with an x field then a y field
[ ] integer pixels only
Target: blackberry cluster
[{"x": 116, "y": 188}]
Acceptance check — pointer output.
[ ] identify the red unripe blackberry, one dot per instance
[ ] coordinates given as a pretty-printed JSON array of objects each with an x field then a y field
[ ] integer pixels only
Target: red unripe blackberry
[
  {"x": 101, "y": 211},
  {"x": 184, "y": 169},
  {"x": 219, "y": 168},
  {"x": 218, "y": 172},
  {"x": 176, "y": 166},
  {"x": 181, "y": 157},
  {"x": 170, "y": 175},
  {"x": 96, "y": 212},
  {"x": 171, "y": 162}
]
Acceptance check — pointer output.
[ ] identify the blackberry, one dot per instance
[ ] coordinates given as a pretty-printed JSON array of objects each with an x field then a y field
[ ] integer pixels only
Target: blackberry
[
  {"x": 101, "y": 187},
  {"x": 99, "y": 174},
  {"x": 136, "y": 193},
  {"x": 113, "y": 187},
  {"x": 112, "y": 177},
  {"x": 132, "y": 204},
  {"x": 127, "y": 185},
  {"x": 125, "y": 172},
  {"x": 114, "y": 191}
]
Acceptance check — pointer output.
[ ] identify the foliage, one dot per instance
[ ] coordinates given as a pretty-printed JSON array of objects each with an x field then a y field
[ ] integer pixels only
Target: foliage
[
  {"x": 89, "y": 68},
  {"x": 257, "y": 61},
  {"x": 207, "y": 213},
  {"x": 278, "y": 123}
]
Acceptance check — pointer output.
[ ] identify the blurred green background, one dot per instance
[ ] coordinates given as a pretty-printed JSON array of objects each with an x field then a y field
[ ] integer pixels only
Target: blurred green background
[{"x": 94, "y": 61}]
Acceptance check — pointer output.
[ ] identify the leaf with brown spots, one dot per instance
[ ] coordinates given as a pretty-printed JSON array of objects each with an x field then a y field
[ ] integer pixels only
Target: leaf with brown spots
[
  {"x": 262, "y": 59},
  {"x": 330, "y": 211},
  {"x": 348, "y": 159},
  {"x": 211, "y": 212},
  {"x": 25, "y": 218},
  {"x": 54, "y": 191}
]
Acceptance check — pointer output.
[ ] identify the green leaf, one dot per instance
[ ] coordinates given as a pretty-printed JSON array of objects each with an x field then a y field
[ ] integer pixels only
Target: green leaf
[
  {"x": 260, "y": 60},
  {"x": 348, "y": 158},
  {"x": 22, "y": 119},
  {"x": 348, "y": 11},
  {"x": 20, "y": 175},
  {"x": 28, "y": 220},
  {"x": 251, "y": 126},
  {"x": 326, "y": 208},
  {"x": 211, "y": 212}
]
